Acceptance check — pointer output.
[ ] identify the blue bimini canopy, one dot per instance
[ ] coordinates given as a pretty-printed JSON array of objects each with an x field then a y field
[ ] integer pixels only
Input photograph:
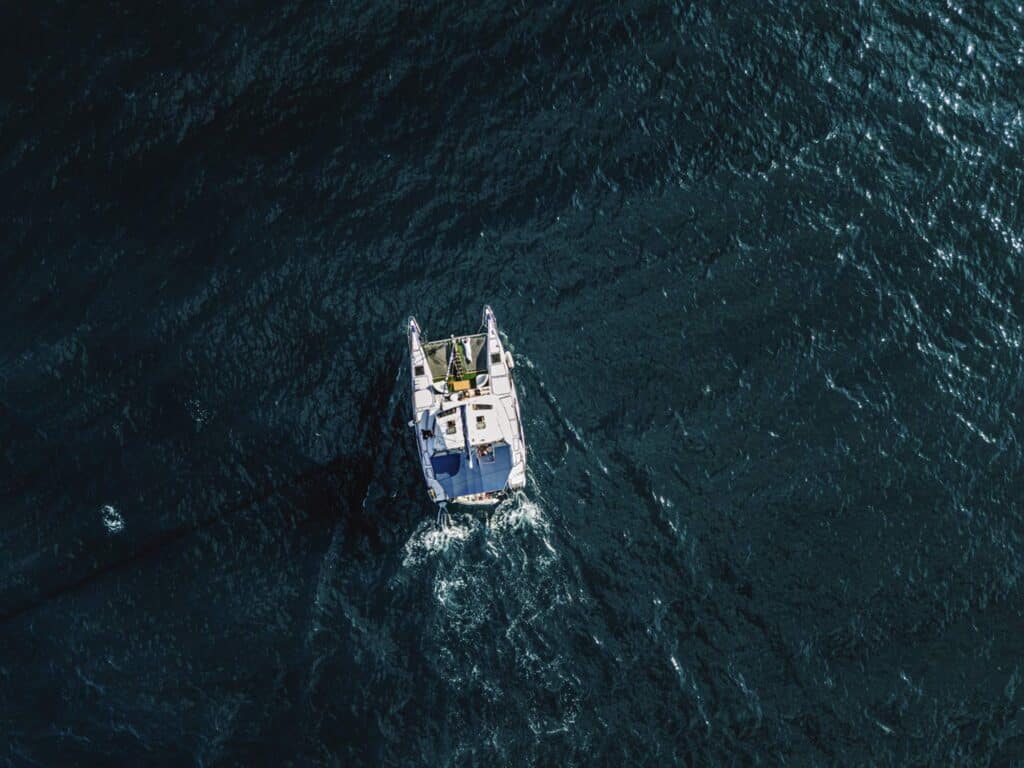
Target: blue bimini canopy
[
  {"x": 446, "y": 463},
  {"x": 487, "y": 475}
]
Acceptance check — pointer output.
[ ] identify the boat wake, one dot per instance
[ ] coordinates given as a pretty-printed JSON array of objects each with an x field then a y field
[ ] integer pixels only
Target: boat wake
[
  {"x": 519, "y": 512},
  {"x": 500, "y": 597},
  {"x": 515, "y": 514},
  {"x": 496, "y": 566},
  {"x": 430, "y": 539}
]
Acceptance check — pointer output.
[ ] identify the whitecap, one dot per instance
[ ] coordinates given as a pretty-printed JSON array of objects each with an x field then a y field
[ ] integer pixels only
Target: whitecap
[{"x": 112, "y": 519}]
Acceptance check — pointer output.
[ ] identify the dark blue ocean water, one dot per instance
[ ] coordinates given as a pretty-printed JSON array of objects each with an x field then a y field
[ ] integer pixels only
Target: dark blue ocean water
[{"x": 761, "y": 268}]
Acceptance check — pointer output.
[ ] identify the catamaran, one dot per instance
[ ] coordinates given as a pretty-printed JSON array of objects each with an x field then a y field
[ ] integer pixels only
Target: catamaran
[{"x": 466, "y": 416}]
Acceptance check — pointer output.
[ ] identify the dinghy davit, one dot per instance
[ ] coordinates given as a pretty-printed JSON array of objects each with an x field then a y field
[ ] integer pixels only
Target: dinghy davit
[{"x": 469, "y": 433}]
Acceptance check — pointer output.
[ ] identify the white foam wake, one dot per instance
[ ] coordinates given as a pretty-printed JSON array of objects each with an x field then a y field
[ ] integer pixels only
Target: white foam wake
[{"x": 429, "y": 539}]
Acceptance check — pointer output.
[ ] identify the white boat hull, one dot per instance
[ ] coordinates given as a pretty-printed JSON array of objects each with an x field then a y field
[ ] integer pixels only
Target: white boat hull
[{"x": 466, "y": 418}]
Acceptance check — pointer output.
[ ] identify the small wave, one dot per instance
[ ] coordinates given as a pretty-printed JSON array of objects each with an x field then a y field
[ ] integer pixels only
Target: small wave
[
  {"x": 446, "y": 590},
  {"x": 112, "y": 519}
]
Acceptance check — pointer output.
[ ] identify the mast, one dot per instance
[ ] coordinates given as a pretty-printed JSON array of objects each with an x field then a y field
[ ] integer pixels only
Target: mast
[{"x": 465, "y": 434}]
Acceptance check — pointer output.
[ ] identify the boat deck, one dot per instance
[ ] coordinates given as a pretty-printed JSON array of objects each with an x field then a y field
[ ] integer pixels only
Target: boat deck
[{"x": 488, "y": 474}]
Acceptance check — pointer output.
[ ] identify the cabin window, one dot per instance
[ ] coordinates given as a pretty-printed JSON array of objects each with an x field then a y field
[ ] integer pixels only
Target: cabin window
[{"x": 482, "y": 407}]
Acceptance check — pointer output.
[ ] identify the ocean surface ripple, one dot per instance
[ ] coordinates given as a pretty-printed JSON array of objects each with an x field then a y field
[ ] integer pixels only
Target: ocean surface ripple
[{"x": 760, "y": 265}]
